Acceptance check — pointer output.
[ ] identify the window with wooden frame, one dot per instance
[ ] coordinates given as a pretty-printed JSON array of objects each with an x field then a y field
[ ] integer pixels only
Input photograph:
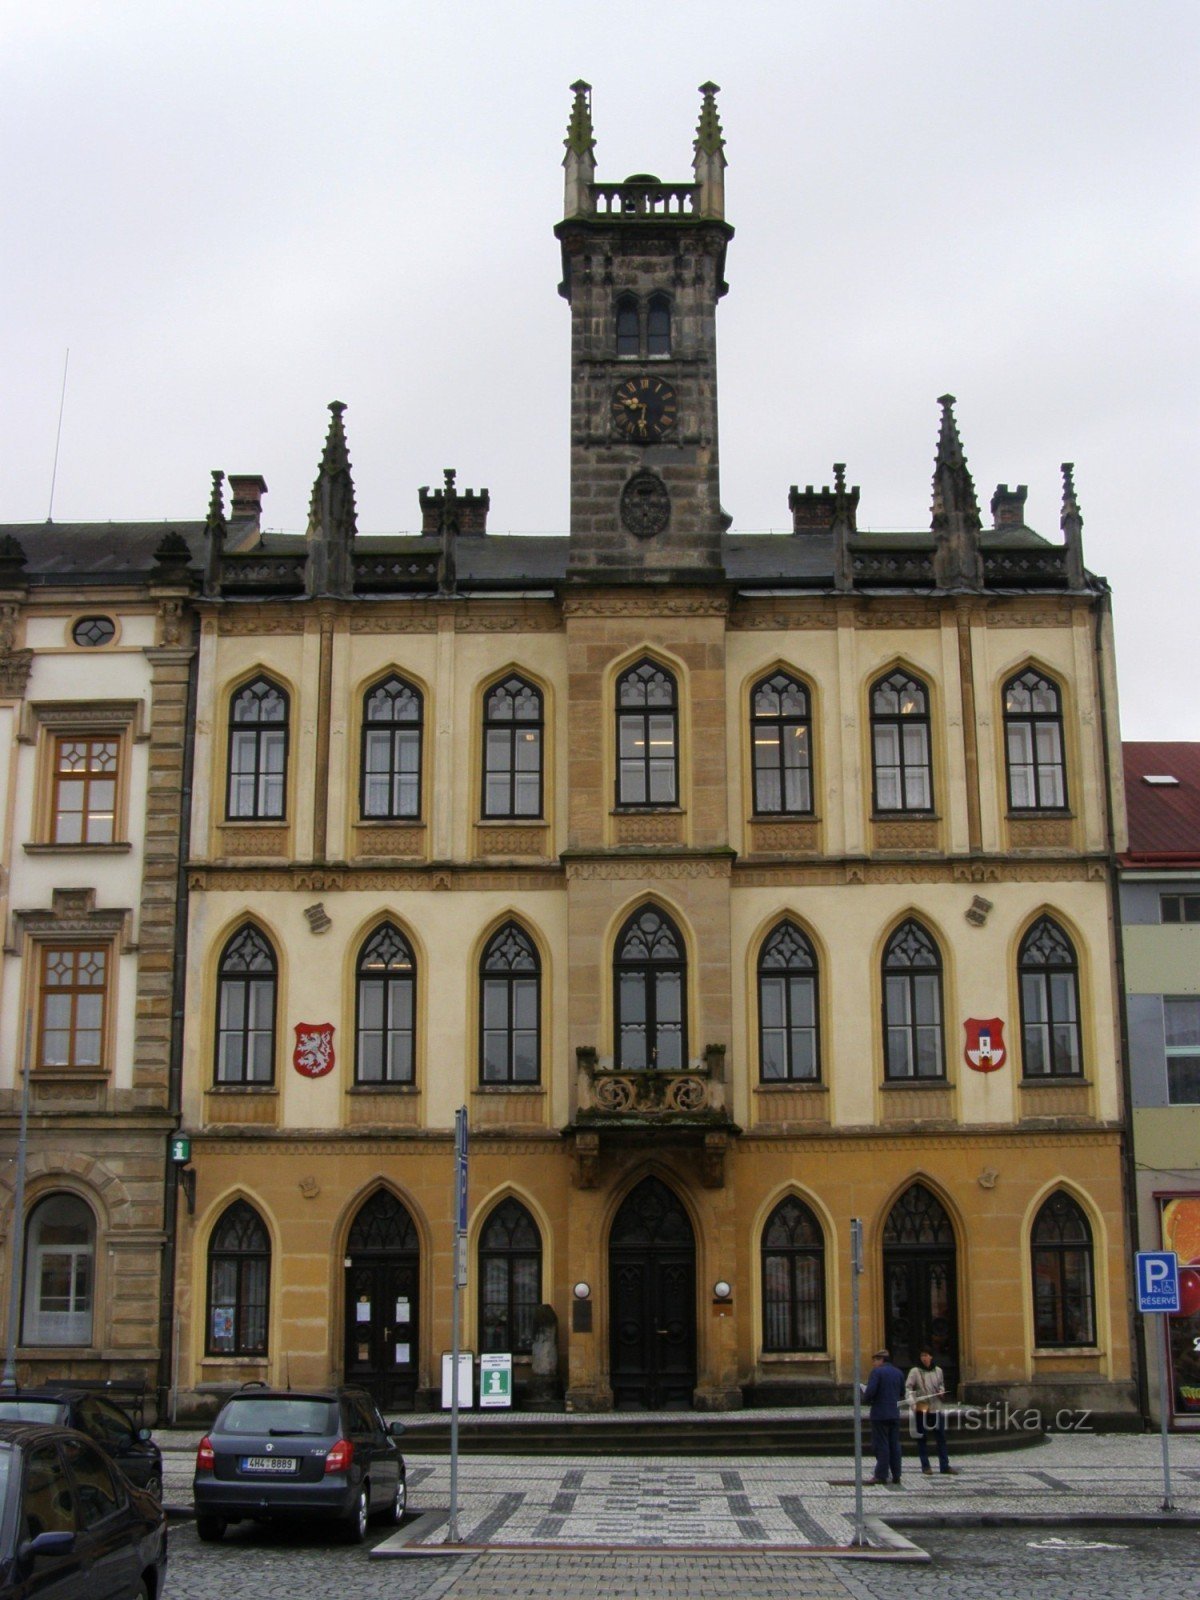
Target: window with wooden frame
[
  {"x": 900, "y": 744},
  {"x": 510, "y": 1008},
  {"x": 512, "y": 749},
  {"x": 912, "y": 1006},
  {"x": 1064, "y": 1299},
  {"x": 510, "y": 1277},
  {"x": 1033, "y": 743},
  {"x": 392, "y": 734},
  {"x": 246, "y": 985},
  {"x": 787, "y": 1008},
  {"x": 1049, "y": 977},
  {"x": 258, "y": 748},
  {"x": 239, "y": 1277},
  {"x": 647, "y": 737},
  {"x": 650, "y": 993},
  {"x": 386, "y": 1006},
  {"x": 793, "y": 1279},
  {"x": 72, "y": 992},
  {"x": 86, "y": 770},
  {"x": 781, "y": 737}
]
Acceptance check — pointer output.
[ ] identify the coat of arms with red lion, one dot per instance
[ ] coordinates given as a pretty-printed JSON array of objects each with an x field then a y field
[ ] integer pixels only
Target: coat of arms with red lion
[{"x": 313, "y": 1055}]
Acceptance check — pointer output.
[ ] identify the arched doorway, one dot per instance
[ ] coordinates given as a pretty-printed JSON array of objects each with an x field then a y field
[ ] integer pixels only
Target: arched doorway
[
  {"x": 382, "y": 1310},
  {"x": 920, "y": 1283},
  {"x": 652, "y": 1288}
]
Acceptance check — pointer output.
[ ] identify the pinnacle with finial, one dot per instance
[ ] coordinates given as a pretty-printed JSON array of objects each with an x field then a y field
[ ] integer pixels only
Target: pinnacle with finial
[
  {"x": 580, "y": 140},
  {"x": 216, "y": 500},
  {"x": 709, "y": 139},
  {"x": 1070, "y": 504},
  {"x": 953, "y": 486}
]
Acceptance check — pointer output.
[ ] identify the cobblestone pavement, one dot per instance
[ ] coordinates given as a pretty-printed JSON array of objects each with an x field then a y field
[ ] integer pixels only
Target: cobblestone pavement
[
  {"x": 755, "y": 1501},
  {"x": 1050, "y": 1563}
]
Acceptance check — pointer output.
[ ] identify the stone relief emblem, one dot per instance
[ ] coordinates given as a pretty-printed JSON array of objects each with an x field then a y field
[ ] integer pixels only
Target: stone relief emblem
[{"x": 645, "y": 505}]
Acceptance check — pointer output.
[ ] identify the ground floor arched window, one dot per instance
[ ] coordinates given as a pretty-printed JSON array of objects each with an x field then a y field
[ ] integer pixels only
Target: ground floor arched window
[
  {"x": 60, "y": 1271},
  {"x": 1064, "y": 1302},
  {"x": 793, "y": 1278},
  {"x": 510, "y": 1276},
  {"x": 239, "y": 1275}
]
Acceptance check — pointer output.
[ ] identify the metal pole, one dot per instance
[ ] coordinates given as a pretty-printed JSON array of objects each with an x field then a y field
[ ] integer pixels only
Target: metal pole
[
  {"x": 856, "y": 1267},
  {"x": 9, "y": 1378},
  {"x": 460, "y": 1158},
  {"x": 1163, "y": 1408}
]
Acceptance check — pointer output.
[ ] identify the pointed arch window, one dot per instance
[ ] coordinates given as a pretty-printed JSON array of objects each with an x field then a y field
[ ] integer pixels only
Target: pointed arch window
[
  {"x": 258, "y": 744},
  {"x": 386, "y": 981},
  {"x": 512, "y": 749},
  {"x": 658, "y": 326},
  {"x": 793, "y": 1279},
  {"x": 239, "y": 1276},
  {"x": 1064, "y": 1311},
  {"x": 393, "y": 721},
  {"x": 60, "y": 1271},
  {"x": 629, "y": 333},
  {"x": 647, "y": 736},
  {"x": 246, "y": 985},
  {"x": 510, "y": 1000},
  {"x": 787, "y": 1008},
  {"x": 510, "y": 1276},
  {"x": 781, "y": 737},
  {"x": 1033, "y": 743},
  {"x": 900, "y": 744},
  {"x": 1049, "y": 976},
  {"x": 912, "y": 1005},
  {"x": 650, "y": 984}
]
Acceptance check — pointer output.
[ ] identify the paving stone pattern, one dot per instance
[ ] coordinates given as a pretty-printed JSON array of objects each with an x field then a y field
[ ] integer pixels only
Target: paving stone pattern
[{"x": 663, "y": 1502}]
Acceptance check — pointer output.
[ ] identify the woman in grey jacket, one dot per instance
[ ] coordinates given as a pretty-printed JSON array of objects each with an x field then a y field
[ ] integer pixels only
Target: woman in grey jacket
[{"x": 925, "y": 1389}]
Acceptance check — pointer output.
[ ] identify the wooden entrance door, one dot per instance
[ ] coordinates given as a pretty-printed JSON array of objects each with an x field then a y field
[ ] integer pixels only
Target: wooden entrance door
[
  {"x": 652, "y": 1310},
  {"x": 920, "y": 1283},
  {"x": 382, "y": 1287}
]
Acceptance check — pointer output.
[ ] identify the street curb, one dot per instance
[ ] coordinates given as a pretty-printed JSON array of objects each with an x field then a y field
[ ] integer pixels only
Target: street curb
[{"x": 920, "y": 1521}]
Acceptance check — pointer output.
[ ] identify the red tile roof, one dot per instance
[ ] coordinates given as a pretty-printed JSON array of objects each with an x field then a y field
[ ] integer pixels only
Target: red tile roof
[{"x": 1164, "y": 818}]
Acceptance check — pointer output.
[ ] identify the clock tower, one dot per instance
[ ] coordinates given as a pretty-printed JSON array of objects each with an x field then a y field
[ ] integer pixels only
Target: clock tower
[{"x": 643, "y": 269}]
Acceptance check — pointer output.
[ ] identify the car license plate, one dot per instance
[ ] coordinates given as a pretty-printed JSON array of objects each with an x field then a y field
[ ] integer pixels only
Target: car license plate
[{"x": 269, "y": 1463}]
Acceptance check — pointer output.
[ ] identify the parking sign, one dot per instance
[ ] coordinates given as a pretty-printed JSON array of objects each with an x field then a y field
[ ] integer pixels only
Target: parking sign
[{"x": 1157, "y": 1280}]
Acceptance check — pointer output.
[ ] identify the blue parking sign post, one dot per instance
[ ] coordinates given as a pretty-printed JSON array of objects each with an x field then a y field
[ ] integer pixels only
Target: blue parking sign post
[{"x": 1157, "y": 1273}]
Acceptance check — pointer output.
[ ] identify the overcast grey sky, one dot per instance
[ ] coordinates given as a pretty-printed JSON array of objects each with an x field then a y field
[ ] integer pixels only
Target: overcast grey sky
[{"x": 233, "y": 213}]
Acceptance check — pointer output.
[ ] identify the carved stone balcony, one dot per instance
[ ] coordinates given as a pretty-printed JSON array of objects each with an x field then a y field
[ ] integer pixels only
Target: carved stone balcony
[
  {"x": 696, "y": 1095},
  {"x": 619, "y": 1113}
]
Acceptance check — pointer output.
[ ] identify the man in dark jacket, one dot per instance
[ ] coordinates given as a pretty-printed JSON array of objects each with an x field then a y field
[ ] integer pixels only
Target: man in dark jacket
[{"x": 883, "y": 1392}]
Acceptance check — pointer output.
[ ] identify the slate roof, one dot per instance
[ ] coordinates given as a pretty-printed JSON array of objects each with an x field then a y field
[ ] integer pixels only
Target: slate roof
[{"x": 1164, "y": 819}]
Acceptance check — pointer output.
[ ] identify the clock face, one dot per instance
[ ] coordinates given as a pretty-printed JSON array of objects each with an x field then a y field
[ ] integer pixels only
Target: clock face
[{"x": 644, "y": 409}]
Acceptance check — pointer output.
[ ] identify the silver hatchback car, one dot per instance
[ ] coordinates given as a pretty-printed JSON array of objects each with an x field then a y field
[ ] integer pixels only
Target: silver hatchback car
[{"x": 274, "y": 1453}]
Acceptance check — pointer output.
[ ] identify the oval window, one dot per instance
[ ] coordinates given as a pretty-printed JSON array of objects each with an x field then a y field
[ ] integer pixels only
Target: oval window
[{"x": 92, "y": 631}]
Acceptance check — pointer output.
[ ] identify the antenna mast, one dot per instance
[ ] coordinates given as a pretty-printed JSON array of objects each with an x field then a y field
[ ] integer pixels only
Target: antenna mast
[{"x": 62, "y": 400}]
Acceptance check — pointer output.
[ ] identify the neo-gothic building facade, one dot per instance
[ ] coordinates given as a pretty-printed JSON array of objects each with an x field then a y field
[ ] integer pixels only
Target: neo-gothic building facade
[{"x": 738, "y": 886}]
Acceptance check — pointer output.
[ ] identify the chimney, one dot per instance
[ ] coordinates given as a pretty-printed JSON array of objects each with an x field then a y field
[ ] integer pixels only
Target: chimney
[
  {"x": 814, "y": 510},
  {"x": 1008, "y": 506},
  {"x": 245, "y": 516},
  {"x": 471, "y": 510}
]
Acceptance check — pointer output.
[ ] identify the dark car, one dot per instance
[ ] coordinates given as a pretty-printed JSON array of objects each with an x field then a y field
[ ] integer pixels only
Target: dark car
[
  {"x": 72, "y": 1527},
  {"x": 131, "y": 1447},
  {"x": 323, "y": 1453}
]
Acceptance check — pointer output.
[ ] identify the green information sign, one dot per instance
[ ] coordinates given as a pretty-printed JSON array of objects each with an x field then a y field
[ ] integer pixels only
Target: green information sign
[
  {"x": 495, "y": 1380},
  {"x": 181, "y": 1148}
]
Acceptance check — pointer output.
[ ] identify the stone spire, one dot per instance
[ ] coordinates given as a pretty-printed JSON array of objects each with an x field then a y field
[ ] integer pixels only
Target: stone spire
[
  {"x": 957, "y": 559},
  {"x": 580, "y": 160},
  {"x": 709, "y": 163},
  {"x": 845, "y": 508},
  {"x": 1071, "y": 523},
  {"x": 214, "y": 532},
  {"x": 448, "y": 529},
  {"x": 332, "y": 524}
]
